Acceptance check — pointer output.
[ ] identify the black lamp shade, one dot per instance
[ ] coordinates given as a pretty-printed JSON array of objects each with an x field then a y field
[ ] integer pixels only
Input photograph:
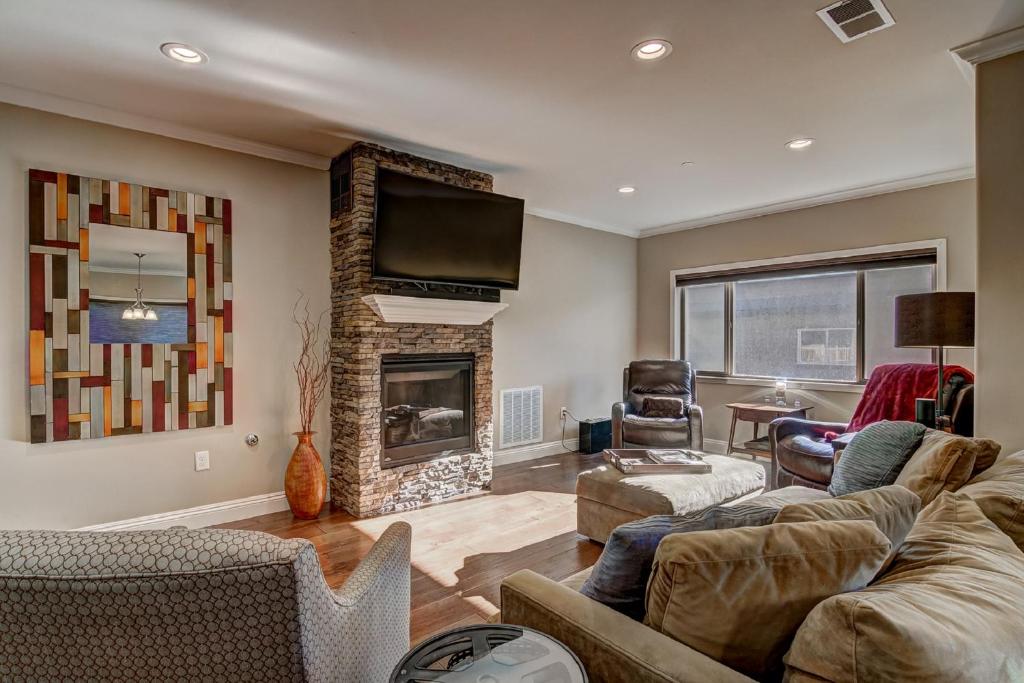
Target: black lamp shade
[{"x": 935, "y": 319}]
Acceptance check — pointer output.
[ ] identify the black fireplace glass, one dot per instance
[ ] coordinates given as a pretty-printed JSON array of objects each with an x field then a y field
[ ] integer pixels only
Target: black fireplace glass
[{"x": 427, "y": 407}]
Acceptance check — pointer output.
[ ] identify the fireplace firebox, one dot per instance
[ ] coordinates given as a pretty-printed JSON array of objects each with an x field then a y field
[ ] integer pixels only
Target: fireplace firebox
[{"x": 426, "y": 407}]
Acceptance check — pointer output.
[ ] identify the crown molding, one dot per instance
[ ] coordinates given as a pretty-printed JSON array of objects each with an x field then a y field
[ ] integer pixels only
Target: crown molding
[
  {"x": 56, "y": 104},
  {"x": 887, "y": 187},
  {"x": 969, "y": 55}
]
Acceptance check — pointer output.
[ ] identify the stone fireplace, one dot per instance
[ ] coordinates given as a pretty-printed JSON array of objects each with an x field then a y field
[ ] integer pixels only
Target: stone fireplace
[
  {"x": 428, "y": 407},
  {"x": 411, "y": 409}
]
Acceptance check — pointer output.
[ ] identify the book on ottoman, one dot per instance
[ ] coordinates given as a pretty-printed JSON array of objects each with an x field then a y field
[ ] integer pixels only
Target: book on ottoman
[{"x": 656, "y": 461}]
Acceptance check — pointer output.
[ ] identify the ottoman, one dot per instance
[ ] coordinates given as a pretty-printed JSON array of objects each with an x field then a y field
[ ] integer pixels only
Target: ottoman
[{"x": 606, "y": 498}]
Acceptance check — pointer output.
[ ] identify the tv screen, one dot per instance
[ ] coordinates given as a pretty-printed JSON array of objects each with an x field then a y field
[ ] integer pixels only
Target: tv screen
[{"x": 428, "y": 231}]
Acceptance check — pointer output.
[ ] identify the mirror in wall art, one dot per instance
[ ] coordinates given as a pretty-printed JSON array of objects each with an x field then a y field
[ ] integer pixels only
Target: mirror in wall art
[{"x": 130, "y": 309}]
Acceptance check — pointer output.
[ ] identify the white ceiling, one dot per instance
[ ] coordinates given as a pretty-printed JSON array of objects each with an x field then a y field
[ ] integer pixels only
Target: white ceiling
[
  {"x": 542, "y": 93},
  {"x": 112, "y": 249}
]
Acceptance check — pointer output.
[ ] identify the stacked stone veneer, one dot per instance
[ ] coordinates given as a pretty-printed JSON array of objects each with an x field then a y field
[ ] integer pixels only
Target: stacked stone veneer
[{"x": 360, "y": 338}]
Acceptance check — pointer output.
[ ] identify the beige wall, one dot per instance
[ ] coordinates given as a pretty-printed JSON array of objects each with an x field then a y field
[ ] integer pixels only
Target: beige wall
[
  {"x": 1000, "y": 328},
  {"x": 571, "y": 327},
  {"x": 281, "y": 245},
  {"x": 946, "y": 210}
]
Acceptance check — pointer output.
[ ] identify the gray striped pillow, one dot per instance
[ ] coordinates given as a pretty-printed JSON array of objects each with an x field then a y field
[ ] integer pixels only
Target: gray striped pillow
[
  {"x": 875, "y": 457},
  {"x": 619, "y": 579}
]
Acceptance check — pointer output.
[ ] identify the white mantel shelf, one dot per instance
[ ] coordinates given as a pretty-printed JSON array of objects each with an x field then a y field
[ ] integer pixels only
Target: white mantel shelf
[{"x": 412, "y": 309}]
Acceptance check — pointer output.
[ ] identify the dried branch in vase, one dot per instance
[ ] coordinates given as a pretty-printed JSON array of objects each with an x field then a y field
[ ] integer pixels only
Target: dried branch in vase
[{"x": 313, "y": 368}]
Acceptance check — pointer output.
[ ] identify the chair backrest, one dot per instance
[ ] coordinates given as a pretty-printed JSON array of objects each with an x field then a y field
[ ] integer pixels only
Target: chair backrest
[
  {"x": 645, "y": 378},
  {"x": 175, "y": 604}
]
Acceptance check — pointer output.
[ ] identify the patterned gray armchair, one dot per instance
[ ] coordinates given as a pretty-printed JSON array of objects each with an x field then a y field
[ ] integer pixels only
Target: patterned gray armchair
[{"x": 197, "y": 605}]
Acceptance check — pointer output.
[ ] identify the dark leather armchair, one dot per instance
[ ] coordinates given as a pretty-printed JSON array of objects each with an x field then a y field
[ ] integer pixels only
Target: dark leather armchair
[
  {"x": 658, "y": 378},
  {"x": 801, "y": 456}
]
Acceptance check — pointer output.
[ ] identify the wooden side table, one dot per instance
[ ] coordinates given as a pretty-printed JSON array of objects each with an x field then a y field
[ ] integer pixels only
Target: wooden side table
[{"x": 758, "y": 413}]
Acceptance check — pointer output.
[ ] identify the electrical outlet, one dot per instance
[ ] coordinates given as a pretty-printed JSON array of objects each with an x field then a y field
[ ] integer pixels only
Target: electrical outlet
[
  {"x": 563, "y": 413},
  {"x": 202, "y": 460}
]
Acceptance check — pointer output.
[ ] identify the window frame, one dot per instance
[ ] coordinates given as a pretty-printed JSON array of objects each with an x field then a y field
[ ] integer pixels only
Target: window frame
[{"x": 783, "y": 264}]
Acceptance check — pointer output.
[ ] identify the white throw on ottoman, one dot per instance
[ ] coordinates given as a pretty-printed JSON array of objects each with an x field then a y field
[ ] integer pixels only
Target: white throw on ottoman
[{"x": 606, "y": 498}]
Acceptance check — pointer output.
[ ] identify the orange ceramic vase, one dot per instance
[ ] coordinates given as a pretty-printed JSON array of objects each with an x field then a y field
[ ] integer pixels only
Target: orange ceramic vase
[{"x": 305, "y": 481}]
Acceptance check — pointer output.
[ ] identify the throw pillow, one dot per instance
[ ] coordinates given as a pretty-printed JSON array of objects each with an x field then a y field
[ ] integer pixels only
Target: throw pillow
[
  {"x": 663, "y": 406},
  {"x": 875, "y": 456},
  {"x": 943, "y": 462},
  {"x": 999, "y": 492},
  {"x": 950, "y": 608},
  {"x": 893, "y": 509},
  {"x": 619, "y": 578},
  {"x": 739, "y": 595}
]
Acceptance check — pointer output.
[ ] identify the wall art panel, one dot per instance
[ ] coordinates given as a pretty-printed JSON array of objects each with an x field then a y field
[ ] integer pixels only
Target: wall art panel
[{"x": 154, "y": 265}]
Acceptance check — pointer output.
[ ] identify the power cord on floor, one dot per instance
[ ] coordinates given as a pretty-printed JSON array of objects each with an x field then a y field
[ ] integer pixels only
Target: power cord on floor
[{"x": 565, "y": 416}]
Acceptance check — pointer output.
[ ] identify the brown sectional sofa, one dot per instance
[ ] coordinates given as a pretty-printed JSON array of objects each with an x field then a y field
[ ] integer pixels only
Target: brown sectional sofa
[{"x": 935, "y": 613}]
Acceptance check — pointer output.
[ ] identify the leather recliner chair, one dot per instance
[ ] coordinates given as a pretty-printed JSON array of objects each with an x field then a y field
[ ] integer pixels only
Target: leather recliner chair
[
  {"x": 658, "y": 378},
  {"x": 801, "y": 455}
]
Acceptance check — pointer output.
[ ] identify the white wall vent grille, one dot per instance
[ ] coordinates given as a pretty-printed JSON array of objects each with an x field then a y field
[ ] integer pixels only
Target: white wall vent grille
[
  {"x": 522, "y": 416},
  {"x": 853, "y": 19}
]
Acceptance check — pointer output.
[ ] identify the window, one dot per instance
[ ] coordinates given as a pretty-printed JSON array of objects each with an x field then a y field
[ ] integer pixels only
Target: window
[
  {"x": 818, "y": 321},
  {"x": 704, "y": 310}
]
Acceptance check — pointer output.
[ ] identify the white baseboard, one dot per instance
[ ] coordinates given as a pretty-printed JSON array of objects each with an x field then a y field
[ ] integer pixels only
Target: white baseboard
[
  {"x": 203, "y": 515},
  {"x": 533, "y": 451}
]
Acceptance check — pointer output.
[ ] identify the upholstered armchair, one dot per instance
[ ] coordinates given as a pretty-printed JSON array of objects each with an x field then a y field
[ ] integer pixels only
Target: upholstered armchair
[
  {"x": 804, "y": 451},
  {"x": 654, "y": 379},
  {"x": 197, "y": 605}
]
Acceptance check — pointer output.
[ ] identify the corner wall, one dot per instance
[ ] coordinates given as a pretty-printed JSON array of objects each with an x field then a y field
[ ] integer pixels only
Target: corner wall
[
  {"x": 1000, "y": 323},
  {"x": 946, "y": 210},
  {"x": 571, "y": 327},
  {"x": 281, "y": 215}
]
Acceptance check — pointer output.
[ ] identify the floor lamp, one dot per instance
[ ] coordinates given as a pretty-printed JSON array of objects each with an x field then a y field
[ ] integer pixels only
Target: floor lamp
[{"x": 935, "y": 320}]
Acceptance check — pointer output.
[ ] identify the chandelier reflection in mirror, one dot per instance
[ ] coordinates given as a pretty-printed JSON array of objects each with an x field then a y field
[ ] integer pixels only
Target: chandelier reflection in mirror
[{"x": 139, "y": 310}]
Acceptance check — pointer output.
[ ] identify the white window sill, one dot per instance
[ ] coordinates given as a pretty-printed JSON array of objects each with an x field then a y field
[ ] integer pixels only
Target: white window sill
[{"x": 802, "y": 385}]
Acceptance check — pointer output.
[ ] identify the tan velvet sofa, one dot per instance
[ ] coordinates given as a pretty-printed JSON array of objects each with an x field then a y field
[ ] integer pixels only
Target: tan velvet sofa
[{"x": 614, "y": 647}]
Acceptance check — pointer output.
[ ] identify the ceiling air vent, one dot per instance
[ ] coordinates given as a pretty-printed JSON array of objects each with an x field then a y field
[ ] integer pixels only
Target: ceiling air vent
[{"x": 853, "y": 19}]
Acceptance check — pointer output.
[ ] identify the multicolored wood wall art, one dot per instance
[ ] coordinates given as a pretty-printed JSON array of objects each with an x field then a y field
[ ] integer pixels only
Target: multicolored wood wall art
[{"x": 79, "y": 390}]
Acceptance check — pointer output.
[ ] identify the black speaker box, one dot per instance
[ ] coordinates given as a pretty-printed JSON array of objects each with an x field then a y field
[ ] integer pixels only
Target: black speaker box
[{"x": 595, "y": 434}]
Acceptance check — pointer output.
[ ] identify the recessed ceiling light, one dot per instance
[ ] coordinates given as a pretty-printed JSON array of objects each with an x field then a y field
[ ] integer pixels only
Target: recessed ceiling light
[
  {"x": 650, "y": 50},
  {"x": 627, "y": 189},
  {"x": 800, "y": 143},
  {"x": 186, "y": 54}
]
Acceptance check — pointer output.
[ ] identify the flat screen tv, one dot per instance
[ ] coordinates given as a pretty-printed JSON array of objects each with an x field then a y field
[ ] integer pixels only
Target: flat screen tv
[{"x": 426, "y": 231}]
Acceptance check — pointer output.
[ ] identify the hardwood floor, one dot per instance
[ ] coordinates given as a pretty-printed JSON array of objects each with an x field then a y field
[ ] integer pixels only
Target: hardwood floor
[{"x": 463, "y": 549}]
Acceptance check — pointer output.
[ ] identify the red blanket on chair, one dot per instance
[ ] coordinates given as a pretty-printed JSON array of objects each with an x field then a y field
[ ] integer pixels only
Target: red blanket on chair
[{"x": 892, "y": 390}]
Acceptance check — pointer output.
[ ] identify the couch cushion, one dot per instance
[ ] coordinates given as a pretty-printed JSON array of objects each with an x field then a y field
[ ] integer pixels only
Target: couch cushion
[
  {"x": 656, "y": 432},
  {"x": 663, "y": 406},
  {"x": 619, "y": 579},
  {"x": 659, "y": 378},
  {"x": 875, "y": 456},
  {"x": 999, "y": 492},
  {"x": 672, "y": 494},
  {"x": 789, "y": 495},
  {"x": 943, "y": 462},
  {"x": 893, "y": 509},
  {"x": 949, "y": 608},
  {"x": 739, "y": 595}
]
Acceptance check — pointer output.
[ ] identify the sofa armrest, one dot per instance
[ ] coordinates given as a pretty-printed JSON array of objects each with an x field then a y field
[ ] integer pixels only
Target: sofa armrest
[
  {"x": 612, "y": 647},
  {"x": 619, "y": 411},
  {"x": 696, "y": 415}
]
